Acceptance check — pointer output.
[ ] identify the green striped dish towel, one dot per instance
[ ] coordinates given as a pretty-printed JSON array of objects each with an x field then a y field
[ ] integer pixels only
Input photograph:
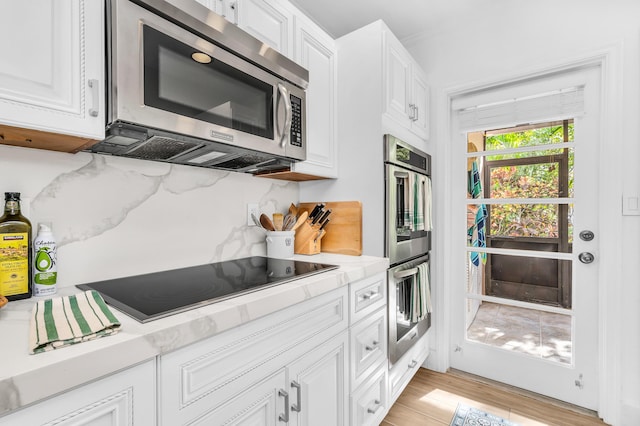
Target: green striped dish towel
[{"x": 64, "y": 321}]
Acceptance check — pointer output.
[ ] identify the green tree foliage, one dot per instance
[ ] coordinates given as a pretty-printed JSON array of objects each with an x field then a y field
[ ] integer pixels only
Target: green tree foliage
[{"x": 537, "y": 180}]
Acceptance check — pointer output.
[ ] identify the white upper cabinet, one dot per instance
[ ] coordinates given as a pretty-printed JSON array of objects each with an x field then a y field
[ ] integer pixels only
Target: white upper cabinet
[
  {"x": 268, "y": 21},
  {"x": 316, "y": 51},
  {"x": 52, "y": 76},
  {"x": 406, "y": 94},
  {"x": 225, "y": 8}
]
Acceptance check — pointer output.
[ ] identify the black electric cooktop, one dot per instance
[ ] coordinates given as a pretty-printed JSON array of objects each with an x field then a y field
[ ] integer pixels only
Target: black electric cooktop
[{"x": 156, "y": 295}]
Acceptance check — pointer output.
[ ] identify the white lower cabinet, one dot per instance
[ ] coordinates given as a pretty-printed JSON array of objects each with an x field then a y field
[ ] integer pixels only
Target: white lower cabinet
[
  {"x": 262, "y": 404},
  {"x": 318, "y": 389},
  {"x": 368, "y": 365},
  {"x": 124, "y": 398},
  {"x": 369, "y": 404},
  {"x": 401, "y": 373},
  {"x": 307, "y": 342}
]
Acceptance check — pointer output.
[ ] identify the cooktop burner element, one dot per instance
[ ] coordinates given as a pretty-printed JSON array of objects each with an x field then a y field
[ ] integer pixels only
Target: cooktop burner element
[{"x": 156, "y": 295}]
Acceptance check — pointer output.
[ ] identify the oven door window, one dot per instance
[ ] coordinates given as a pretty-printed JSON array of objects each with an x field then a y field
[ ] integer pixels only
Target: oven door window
[{"x": 180, "y": 79}]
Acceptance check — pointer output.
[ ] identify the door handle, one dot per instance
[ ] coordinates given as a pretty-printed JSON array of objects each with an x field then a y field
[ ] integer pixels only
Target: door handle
[
  {"x": 298, "y": 405},
  {"x": 587, "y": 235},
  {"x": 95, "y": 95},
  {"x": 406, "y": 273},
  {"x": 586, "y": 257},
  {"x": 284, "y": 417},
  {"x": 283, "y": 93},
  {"x": 412, "y": 111}
]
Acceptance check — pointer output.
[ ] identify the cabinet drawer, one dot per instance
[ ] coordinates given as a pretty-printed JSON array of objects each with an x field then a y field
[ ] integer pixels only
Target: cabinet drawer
[
  {"x": 367, "y": 296},
  {"x": 368, "y": 346},
  {"x": 206, "y": 374},
  {"x": 403, "y": 371},
  {"x": 369, "y": 404}
]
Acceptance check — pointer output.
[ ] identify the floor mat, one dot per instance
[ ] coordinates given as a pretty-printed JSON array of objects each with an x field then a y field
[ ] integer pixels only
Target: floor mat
[{"x": 469, "y": 416}]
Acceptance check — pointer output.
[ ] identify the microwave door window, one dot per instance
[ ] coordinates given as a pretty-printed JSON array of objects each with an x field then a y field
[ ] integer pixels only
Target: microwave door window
[{"x": 180, "y": 79}]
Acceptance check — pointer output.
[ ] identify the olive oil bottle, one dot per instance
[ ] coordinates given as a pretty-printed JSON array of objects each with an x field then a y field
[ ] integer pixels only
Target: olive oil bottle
[{"x": 15, "y": 250}]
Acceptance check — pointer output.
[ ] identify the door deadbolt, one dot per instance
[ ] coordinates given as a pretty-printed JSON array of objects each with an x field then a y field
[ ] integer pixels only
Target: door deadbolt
[
  {"x": 586, "y": 257},
  {"x": 587, "y": 235}
]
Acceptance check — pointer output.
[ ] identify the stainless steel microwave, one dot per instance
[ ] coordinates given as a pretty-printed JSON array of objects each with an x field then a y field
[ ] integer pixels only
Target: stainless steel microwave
[{"x": 186, "y": 86}]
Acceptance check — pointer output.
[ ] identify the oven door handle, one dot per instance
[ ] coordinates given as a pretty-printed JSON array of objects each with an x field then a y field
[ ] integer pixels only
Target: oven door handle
[{"x": 404, "y": 274}]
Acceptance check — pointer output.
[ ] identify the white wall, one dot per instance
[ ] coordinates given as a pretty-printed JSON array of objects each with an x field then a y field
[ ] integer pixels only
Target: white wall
[
  {"x": 115, "y": 217},
  {"x": 508, "y": 38}
]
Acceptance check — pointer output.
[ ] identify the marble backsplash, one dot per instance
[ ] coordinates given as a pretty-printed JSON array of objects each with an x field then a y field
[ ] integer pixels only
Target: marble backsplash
[{"x": 115, "y": 217}]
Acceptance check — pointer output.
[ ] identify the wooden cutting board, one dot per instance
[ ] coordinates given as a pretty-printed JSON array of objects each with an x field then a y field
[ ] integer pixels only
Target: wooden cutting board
[{"x": 344, "y": 230}]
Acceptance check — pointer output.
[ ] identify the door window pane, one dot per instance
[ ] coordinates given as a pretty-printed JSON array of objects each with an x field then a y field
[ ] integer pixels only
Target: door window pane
[{"x": 537, "y": 333}]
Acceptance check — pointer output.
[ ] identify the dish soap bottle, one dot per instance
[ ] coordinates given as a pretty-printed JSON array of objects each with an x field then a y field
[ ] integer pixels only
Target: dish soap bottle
[
  {"x": 15, "y": 250},
  {"x": 44, "y": 261}
]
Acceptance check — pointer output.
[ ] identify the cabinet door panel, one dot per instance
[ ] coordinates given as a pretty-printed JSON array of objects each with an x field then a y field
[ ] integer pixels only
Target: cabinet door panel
[
  {"x": 261, "y": 405},
  {"x": 47, "y": 64},
  {"x": 316, "y": 52},
  {"x": 420, "y": 96},
  {"x": 268, "y": 23},
  {"x": 398, "y": 80},
  {"x": 318, "y": 382},
  {"x": 125, "y": 398}
]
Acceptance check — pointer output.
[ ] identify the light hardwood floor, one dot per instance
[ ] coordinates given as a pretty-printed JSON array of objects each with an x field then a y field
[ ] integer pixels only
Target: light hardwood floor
[{"x": 431, "y": 399}]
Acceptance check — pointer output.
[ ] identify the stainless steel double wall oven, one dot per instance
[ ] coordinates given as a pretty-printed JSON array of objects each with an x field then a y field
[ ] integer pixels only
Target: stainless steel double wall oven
[{"x": 407, "y": 243}]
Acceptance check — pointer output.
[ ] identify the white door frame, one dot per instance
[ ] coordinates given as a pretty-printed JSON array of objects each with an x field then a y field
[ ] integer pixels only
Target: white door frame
[{"x": 610, "y": 62}]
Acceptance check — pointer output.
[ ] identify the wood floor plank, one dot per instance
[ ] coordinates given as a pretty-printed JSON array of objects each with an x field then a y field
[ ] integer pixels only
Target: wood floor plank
[
  {"x": 401, "y": 415},
  {"x": 422, "y": 400},
  {"x": 431, "y": 399}
]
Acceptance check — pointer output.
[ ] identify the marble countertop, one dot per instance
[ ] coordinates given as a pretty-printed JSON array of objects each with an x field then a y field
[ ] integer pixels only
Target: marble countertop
[{"x": 25, "y": 379}]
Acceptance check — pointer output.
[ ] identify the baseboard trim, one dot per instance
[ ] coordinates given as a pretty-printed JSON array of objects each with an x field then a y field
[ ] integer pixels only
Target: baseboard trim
[{"x": 524, "y": 392}]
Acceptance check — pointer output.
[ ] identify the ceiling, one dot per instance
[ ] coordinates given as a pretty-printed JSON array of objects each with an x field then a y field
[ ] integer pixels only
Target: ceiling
[{"x": 405, "y": 18}]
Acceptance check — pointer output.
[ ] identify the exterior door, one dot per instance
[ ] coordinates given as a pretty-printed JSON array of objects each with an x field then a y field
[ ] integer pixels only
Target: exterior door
[{"x": 540, "y": 227}]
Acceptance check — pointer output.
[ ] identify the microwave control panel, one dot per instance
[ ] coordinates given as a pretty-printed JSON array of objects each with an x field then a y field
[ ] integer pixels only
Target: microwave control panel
[{"x": 296, "y": 121}]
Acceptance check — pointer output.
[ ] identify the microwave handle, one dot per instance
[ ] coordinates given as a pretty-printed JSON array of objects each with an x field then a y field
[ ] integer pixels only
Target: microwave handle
[{"x": 283, "y": 93}]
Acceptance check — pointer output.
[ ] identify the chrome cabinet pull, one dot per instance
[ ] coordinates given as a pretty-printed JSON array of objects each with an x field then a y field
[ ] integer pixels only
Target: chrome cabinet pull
[
  {"x": 298, "y": 405},
  {"x": 413, "y": 363},
  {"x": 284, "y": 417},
  {"x": 416, "y": 110},
  {"x": 369, "y": 295},
  {"x": 286, "y": 128},
  {"x": 95, "y": 95},
  {"x": 373, "y": 346},
  {"x": 376, "y": 403}
]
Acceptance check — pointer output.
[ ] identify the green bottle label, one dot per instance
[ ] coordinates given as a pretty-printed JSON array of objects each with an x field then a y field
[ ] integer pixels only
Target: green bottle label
[{"x": 14, "y": 263}]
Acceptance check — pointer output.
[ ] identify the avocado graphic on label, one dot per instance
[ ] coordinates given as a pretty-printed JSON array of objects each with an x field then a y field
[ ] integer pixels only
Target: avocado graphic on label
[{"x": 43, "y": 261}]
